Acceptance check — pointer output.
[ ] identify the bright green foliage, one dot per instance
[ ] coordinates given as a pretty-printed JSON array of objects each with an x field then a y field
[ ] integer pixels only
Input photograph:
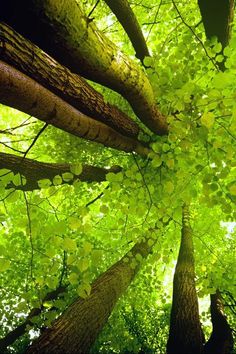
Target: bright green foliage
[{"x": 50, "y": 236}]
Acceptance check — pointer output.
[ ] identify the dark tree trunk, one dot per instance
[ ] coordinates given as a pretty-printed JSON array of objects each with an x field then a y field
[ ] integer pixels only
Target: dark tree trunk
[
  {"x": 221, "y": 339},
  {"x": 21, "y": 92},
  {"x": 126, "y": 17},
  {"x": 185, "y": 336},
  {"x": 35, "y": 171},
  {"x": 77, "y": 328},
  {"x": 217, "y": 16},
  {"x": 63, "y": 31},
  {"x": 32, "y": 61}
]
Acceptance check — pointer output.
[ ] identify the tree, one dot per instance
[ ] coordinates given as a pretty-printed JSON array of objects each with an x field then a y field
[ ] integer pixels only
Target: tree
[
  {"x": 77, "y": 328},
  {"x": 146, "y": 135},
  {"x": 185, "y": 329},
  {"x": 221, "y": 340}
]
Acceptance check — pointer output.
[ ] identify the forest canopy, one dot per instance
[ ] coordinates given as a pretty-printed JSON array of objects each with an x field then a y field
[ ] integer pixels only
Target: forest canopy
[{"x": 117, "y": 176}]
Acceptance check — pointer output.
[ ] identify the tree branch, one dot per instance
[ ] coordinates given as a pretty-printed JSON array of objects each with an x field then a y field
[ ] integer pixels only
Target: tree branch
[
  {"x": 32, "y": 61},
  {"x": 35, "y": 171},
  {"x": 21, "y": 92},
  {"x": 63, "y": 31},
  {"x": 129, "y": 22}
]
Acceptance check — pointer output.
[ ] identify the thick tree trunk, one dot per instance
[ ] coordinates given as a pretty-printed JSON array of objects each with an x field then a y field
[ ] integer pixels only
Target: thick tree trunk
[
  {"x": 126, "y": 17},
  {"x": 21, "y": 92},
  {"x": 62, "y": 30},
  {"x": 35, "y": 171},
  {"x": 77, "y": 328},
  {"x": 185, "y": 336},
  {"x": 32, "y": 61},
  {"x": 221, "y": 339},
  {"x": 16, "y": 333},
  {"x": 217, "y": 16}
]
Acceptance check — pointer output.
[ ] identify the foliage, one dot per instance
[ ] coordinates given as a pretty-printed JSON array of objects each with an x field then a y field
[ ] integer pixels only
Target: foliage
[{"x": 50, "y": 236}]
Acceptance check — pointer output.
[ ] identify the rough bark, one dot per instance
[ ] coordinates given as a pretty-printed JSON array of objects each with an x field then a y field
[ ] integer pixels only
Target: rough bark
[
  {"x": 217, "y": 16},
  {"x": 35, "y": 171},
  {"x": 221, "y": 339},
  {"x": 21, "y": 92},
  {"x": 77, "y": 328},
  {"x": 128, "y": 20},
  {"x": 29, "y": 59},
  {"x": 16, "y": 333},
  {"x": 185, "y": 335},
  {"x": 61, "y": 29}
]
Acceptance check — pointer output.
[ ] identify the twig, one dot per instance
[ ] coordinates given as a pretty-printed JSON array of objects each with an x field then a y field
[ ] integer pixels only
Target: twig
[
  {"x": 35, "y": 139},
  {"x": 93, "y": 8}
]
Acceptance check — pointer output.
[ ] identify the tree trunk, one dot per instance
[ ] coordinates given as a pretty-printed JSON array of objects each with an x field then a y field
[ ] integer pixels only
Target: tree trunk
[
  {"x": 77, "y": 328},
  {"x": 21, "y": 92},
  {"x": 185, "y": 336},
  {"x": 217, "y": 16},
  {"x": 62, "y": 30},
  {"x": 126, "y": 17},
  {"x": 35, "y": 171},
  {"x": 17, "y": 332},
  {"x": 221, "y": 339},
  {"x": 32, "y": 61}
]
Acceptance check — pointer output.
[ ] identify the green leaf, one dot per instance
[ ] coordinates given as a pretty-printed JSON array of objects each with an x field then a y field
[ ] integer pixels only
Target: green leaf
[
  {"x": 208, "y": 119},
  {"x": 17, "y": 179},
  {"x": 232, "y": 189},
  {"x": 139, "y": 257},
  {"x": 73, "y": 278},
  {"x": 57, "y": 180},
  {"x": 96, "y": 256},
  {"x": 13, "y": 196},
  {"x": 84, "y": 290},
  {"x": 4, "y": 264},
  {"x": 69, "y": 244},
  {"x": 165, "y": 147},
  {"x": 74, "y": 223},
  {"x": 169, "y": 187},
  {"x": 114, "y": 177},
  {"x": 82, "y": 264},
  {"x": 157, "y": 161},
  {"x": 44, "y": 183},
  {"x": 76, "y": 169},
  {"x": 87, "y": 247},
  {"x": 67, "y": 176}
]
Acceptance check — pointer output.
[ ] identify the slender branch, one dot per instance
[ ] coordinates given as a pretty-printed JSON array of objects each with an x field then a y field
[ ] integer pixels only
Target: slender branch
[
  {"x": 35, "y": 139},
  {"x": 90, "y": 13},
  {"x": 129, "y": 22}
]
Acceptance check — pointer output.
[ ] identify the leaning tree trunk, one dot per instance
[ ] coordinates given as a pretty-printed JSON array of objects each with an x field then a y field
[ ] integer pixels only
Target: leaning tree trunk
[
  {"x": 34, "y": 171},
  {"x": 185, "y": 335},
  {"x": 21, "y": 92},
  {"x": 62, "y": 29},
  {"x": 77, "y": 328},
  {"x": 217, "y": 16},
  {"x": 221, "y": 339},
  {"x": 32, "y": 61}
]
